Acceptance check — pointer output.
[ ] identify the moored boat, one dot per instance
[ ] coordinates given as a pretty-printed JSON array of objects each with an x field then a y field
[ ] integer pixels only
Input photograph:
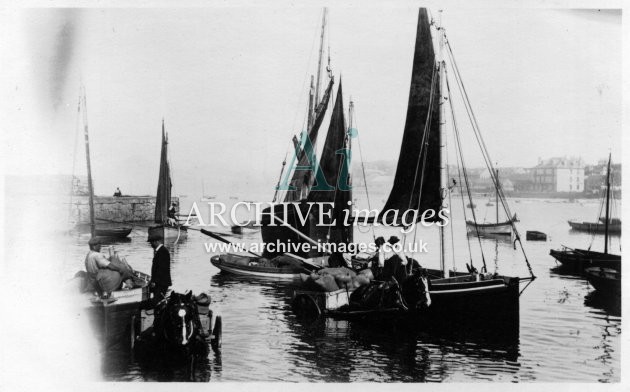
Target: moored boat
[
  {"x": 282, "y": 269},
  {"x": 614, "y": 227},
  {"x": 605, "y": 280},
  {"x": 580, "y": 259},
  {"x": 167, "y": 228},
  {"x": 458, "y": 300},
  {"x": 533, "y": 235}
]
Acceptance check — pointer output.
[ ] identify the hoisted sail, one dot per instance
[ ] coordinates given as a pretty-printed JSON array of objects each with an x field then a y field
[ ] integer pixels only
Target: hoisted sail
[
  {"x": 302, "y": 180},
  {"x": 163, "y": 198},
  {"x": 333, "y": 161},
  {"x": 417, "y": 180}
]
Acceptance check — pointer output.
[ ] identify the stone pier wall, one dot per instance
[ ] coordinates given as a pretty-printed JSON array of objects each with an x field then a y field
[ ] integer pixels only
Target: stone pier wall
[{"x": 116, "y": 209}]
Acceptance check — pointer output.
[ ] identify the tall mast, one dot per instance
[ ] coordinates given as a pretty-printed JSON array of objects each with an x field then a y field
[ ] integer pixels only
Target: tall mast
[
  {"x": 443, "y": 179},
  {"x": 311, "y": 106},
  {"x": 607, "y": 206},
  {"x": 89, "y": 167},
  {"x": 496, "y": 193},
  {"x": 321, "y": 55}
]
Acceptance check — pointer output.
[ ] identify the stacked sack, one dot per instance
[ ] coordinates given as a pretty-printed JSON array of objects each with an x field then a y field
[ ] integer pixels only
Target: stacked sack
[{"x": 333, "y": 279}]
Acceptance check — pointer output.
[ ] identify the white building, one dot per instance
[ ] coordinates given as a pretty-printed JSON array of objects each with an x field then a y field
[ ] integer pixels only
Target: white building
[{"x": 559, "y": 175}]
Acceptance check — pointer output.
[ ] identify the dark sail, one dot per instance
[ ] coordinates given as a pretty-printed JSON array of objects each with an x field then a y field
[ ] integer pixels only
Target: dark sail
[
  {"x": 163, "y": 198},
  {"x": 417, "y": 181},
  {"x": 332, "y": 163},
  {"x": 302, "y": 180}
]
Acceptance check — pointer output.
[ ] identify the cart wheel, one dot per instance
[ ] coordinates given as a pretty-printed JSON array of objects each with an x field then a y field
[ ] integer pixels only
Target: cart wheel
[
  {"x": 217, "y": 332},
  {"x": 305, "y": 306}
]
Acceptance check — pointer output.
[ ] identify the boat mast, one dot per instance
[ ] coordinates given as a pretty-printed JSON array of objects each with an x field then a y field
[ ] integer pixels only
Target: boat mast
[
  {"x": 496, "y": 193},
  {"x": 321, "y": 55},
  {"x": 607, "y": 206},
  {"x": 443, "y": 179},
  {"x": 89, "y": 167}
]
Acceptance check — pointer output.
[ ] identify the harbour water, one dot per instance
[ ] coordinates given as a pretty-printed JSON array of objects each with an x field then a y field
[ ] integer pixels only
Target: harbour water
[{"x": 568, "y": 332}]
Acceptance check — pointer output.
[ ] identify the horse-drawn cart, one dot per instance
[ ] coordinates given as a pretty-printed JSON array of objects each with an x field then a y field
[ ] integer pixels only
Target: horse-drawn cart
[{"x": 316, "y": 303}]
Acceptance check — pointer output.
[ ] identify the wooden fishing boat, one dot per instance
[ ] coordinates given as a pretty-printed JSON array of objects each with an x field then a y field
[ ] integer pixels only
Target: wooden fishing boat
[
  {"x": 577, "y": 260},
  {"x": 605, "y": 280},
  {"x": 114, "y": 232},
  {"x": 111, "y": 230},
  {"x": 499, "y": 228},
  {"x": 496, "y": 228},
  {"x": 112, "y": 314},
  {"x": 614, "y": 227},
  {"x": 259, "y": 267},
  {"x": 533, "y": 235},
  {"x": 299, "y": 184},
  {"x": 459, "y": 300},
  {"x": 165, "y": 228}
]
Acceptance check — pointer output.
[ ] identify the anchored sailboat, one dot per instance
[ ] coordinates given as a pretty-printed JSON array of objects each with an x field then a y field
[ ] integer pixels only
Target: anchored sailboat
[
  {"x": 580, "y": 259},
  {"x": 458, "y": 298},
  {"x": 286, "y": 227},
  {"x": 117, "y": 231},
  {"x": 167, "y": 227},
  {"x": 492, "y": 229}
]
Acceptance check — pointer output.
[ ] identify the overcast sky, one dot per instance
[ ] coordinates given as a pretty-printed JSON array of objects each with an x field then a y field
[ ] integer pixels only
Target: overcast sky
[{"x": 231, "y": 84}]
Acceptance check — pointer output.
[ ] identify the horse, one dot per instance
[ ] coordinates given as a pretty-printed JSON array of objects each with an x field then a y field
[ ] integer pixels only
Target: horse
[
  {"x": 410, "y": 296},
  {"x": 176, "y": 334}
]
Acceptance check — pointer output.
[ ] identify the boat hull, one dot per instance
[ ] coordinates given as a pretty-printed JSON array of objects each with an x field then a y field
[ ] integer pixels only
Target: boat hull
[
  {"x": 535, "y": 236},
  {"x": 112, "y": 318},
  {"x": 577, "y": 260},
  {"x": 168, "y": 232},
  {"x": 501, "y": 228},
  {"x": 117, "y": 232},
  {"x": 460, "y": 304},
  {"x": 595, "y": 227},
  {"x": 605, "y": 280},
  {"x": 250, "y": 266}
]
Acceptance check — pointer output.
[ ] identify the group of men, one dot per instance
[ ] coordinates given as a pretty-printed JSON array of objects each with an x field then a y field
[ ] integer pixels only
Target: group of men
[{"x": 110, "y": 275}]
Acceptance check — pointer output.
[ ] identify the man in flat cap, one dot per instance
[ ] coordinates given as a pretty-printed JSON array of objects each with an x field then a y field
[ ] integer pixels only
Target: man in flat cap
[{"x": 160, "y": 268}]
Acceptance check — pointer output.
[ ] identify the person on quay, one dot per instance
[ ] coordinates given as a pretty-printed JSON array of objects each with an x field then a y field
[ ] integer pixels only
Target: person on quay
[
  {"x": 160, "y": 269},
  {"x": 118, "y": 193}
]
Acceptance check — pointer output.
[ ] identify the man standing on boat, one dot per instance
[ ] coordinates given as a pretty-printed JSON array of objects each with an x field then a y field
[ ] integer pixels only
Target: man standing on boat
[{"x": 160, "y": 269}]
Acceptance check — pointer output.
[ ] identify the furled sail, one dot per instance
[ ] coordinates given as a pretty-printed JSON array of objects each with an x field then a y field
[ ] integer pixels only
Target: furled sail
[
  {"x": 303, "y": 179},
  {"x": 163, "y": 198},
  {"x": 417, "y": 181}
]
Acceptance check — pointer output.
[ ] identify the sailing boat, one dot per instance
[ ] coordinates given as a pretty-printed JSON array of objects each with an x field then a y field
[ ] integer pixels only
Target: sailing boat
[
  {"x": 492, "y": 229},
  {"x": 580, "y": 259},
  {"x": 420, "y": 183},
  {"x": 612, "y": 225},
  {"x": 165, "y": 228},
  {"x": 110, "y": 231},
  {"x": 291, "y": 230},
  {"x": 205, "y": 197},
  {"x": 112, "y": 312}
]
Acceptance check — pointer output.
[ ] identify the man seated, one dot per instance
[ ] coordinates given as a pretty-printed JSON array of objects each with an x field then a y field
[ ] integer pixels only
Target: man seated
[{"x": 104, "y": 275}]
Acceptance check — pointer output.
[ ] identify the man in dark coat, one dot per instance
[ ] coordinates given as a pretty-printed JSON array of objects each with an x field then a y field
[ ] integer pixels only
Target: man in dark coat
[{"x": 160, "y": 269}]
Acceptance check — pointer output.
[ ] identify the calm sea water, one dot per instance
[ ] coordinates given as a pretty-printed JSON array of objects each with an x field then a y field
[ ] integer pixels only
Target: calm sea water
[{"x": 568, "y": 332}]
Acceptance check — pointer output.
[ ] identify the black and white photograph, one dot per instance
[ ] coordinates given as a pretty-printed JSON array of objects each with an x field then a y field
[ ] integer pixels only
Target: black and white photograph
[{"x": 322, "y": 193}]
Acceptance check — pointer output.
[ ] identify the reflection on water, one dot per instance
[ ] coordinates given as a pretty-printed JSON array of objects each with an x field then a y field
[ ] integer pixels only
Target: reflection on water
[{"x": 567, "y": 331}]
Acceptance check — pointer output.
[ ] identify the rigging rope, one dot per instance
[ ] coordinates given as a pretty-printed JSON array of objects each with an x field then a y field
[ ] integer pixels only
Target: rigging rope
[
  {"x": 485, "y": 153},
  {"x": 458, "y": 144}
]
